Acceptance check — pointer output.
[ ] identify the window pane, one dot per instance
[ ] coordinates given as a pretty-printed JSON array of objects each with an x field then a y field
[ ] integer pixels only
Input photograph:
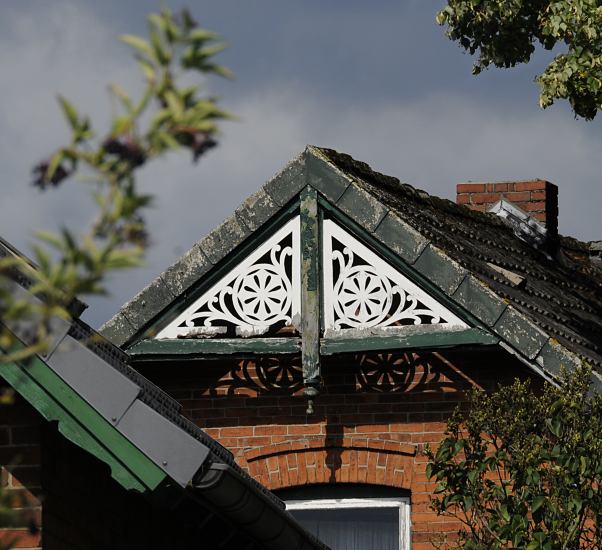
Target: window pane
[{"x": 353, "y": 528}]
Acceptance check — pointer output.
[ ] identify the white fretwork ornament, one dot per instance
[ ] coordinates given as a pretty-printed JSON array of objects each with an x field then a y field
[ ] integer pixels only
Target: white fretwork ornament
[
  {"x": 262, "y": 291},
  {"x": 362, "y": 291}
]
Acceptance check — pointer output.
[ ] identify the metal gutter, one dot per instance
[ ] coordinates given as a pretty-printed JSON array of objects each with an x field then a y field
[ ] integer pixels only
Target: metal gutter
[
  {"x": 273, "y": 528},
  {"x": 239, "y": 500}
]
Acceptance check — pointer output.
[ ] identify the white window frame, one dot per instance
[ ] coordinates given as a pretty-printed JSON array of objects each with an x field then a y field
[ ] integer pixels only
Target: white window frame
[{"x": 402, "y": 503}]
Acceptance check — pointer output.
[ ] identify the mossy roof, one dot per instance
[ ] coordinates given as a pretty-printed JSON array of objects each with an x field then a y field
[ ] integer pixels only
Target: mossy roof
[{"x": 553, "y": 318}]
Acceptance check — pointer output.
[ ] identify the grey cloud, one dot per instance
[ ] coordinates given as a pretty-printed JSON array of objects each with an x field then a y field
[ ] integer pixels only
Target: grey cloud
[
  {"x": 433, "y": 139},
  {"x": 57, "y": 48}
]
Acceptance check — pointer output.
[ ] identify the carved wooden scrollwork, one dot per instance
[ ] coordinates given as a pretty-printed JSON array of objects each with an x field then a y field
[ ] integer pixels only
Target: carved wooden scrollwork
[
  {"x": 362, "y": 291},
  {"x": 261, "y": 292}
]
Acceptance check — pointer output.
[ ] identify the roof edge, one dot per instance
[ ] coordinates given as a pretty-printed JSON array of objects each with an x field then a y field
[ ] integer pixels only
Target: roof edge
[{"x": 178, "y": 278}]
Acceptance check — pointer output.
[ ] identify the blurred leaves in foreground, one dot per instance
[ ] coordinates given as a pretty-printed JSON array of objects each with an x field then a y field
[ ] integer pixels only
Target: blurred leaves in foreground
[{"x": 167, "y": 116}]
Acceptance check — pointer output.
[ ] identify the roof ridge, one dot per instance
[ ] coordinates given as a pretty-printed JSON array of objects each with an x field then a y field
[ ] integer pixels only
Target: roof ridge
[
  {"x": 395, "y": 184},
  {"x": 343, "y": 161},
  {"x": 363, "y": 171}
]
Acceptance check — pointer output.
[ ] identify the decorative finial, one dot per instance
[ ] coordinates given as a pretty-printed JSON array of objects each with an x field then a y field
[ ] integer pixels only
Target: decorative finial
[{"x": 311, "y": 392}]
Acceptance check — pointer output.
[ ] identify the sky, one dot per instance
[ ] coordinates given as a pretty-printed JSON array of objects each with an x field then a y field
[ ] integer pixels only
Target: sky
[{"x": 376, "y": 79}]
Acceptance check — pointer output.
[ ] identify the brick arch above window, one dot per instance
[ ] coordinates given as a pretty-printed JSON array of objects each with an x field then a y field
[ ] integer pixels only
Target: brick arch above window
[{"x": 332, "y": 460}]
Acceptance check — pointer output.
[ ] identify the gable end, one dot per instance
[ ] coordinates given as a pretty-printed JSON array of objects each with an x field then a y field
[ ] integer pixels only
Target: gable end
[{"x": 342, "y": 182}]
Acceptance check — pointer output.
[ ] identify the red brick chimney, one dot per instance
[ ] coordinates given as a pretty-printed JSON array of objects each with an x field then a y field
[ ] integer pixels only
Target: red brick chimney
[{"x": 538, "y": 198}]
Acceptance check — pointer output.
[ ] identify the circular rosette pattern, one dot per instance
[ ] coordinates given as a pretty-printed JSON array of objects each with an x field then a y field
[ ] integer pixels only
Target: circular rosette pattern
[
  {"x": 278, "y": 373},
  {"x": 262, "y": 294},
  {"x": 386, "y": 372},
  {"x": 362, "y": 297}
]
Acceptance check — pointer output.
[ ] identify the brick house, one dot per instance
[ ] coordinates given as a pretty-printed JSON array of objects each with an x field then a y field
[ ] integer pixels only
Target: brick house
[{"x": 325, "y": 331}]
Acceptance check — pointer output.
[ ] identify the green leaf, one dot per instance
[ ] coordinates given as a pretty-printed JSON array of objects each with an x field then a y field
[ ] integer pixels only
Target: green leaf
[
  {"x": 54, "y": 163},
  {"x": 472, "y": 475},
  {"x": 582, "y": 465},
  {"x": 537, "y": 503},
  {"x": 157, "y": 21},
  {"x": 147, "y": 69},
  {"x": 123, "y": 96},
  {"x": 458, "y": 446},
  {"x": 167, "y": 140},
  {"x": 69, "y": 239},
  {"x": 162, "y": 54},
  {"x": 555, "y": 426},
  {"x": 159, "y": 118},
  {"x": 121, "y": 124},
  {"x": 139, "y": 44},
  {"x": 210, "y": 51},
  {"x": 69, "y": 112},
  {"x": 202, "y": 35},
  {"x": 504, "y": 512},
  {"x": 220, "y": 70},
  {"x": 175, "y": 104},
  {"x": 51, "y": 238},
  {"x": 42, "y": 258},
  {"x": 172, "y": 31}
]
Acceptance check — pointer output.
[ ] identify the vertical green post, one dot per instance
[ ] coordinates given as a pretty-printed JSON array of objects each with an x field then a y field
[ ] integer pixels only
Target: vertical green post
[{"x": 310, "y": 295}]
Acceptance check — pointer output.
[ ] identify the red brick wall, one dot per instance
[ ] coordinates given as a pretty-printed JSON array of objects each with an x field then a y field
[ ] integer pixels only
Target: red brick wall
[
  {"x": 370, "y": 425},
  {"x": 20, "y": 472},
  {"x": 539, "y": 198}
]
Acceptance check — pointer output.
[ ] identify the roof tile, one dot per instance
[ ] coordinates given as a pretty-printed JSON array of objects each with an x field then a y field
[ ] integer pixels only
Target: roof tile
[
  {"x": 147, "y": 303},
  {"x": 363, "y": 207},
  {"x": 400, "y": 237},
  {"x": 440, "y": 269},
  {"x": 331, "y": 183},
  {"x": 223, "y": 239},
  {"x": 256, "y": 210},
  {"x": 180, "y": 276},
  {"x": 288, "y": 182},
  {"x": 482, "y": 302},
  {"x": 516, "y": 329}
]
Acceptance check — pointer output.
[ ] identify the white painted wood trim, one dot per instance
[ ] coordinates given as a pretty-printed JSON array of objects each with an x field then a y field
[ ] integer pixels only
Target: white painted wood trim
[
  {"x": 367, "y": 287},
  {"x": 280, "y": 304}
]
